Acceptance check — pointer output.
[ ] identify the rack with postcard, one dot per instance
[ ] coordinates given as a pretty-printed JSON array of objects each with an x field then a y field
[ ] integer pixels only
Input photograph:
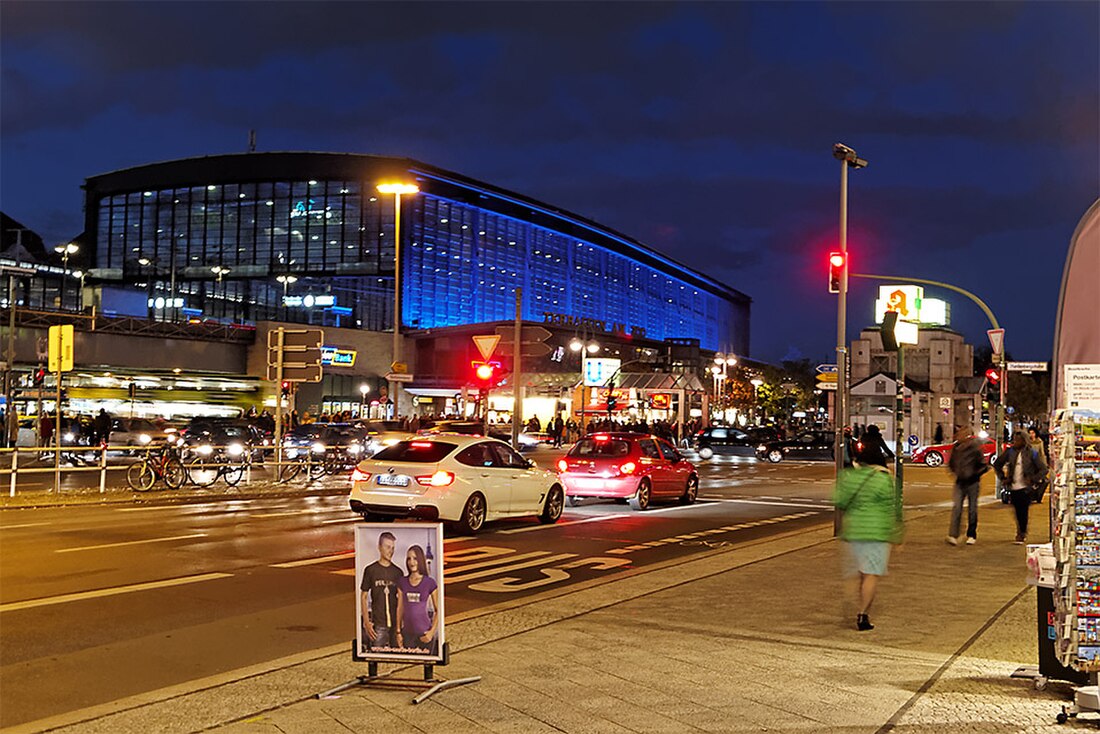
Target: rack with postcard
[{"x": 1075, "y": 525}]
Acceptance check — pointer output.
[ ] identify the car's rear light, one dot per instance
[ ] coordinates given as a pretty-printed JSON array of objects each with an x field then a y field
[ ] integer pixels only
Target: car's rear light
[
  {"x": 439, "y": 479},
  {"x": 600, "y": 437},
  {"x": 628, "y": 467},
  {"x": 421, "y": 444},
  {"x": 358, "y": 475},
  {"x": 563, "y": 465}
]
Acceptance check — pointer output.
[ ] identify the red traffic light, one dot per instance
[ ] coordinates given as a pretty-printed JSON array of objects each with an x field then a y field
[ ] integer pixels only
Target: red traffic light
[
  {"x": 993, "y": 376},
  {"x": 837, "y": 261},
  {"x": 484, "y": 372}
]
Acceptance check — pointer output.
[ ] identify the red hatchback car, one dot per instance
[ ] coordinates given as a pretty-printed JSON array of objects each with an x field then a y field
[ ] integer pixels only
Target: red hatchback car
[{"x": 634, "y": 467}]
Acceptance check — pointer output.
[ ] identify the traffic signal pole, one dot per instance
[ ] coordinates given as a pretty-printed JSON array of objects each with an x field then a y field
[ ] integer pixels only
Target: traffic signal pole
[
  {"x": 840, "y": 418},
  {"x": 280, "y": 337},
  {"x": 517, "y": 370}
]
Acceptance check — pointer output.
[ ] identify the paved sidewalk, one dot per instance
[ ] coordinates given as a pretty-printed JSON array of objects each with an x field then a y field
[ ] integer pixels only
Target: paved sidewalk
[{"x": 753, "y": 639}]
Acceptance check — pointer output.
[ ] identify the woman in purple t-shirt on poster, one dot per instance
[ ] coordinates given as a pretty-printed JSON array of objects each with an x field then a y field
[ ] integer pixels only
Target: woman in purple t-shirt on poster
[{"x": 417, "y": 629}]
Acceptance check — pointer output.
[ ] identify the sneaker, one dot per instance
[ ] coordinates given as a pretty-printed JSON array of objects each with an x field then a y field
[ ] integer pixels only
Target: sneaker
[
  {"x": 1020, "y": 538},
  {"x": 971, "y": 541},
  {"x": 863, "y": 624},
  {"x": 951, "y": 540}
]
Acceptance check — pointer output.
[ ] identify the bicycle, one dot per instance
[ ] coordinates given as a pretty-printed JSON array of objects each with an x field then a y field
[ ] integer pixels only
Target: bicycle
[
  {"x": 211, "y": 465},
  {"x": 161, "y": 464}
]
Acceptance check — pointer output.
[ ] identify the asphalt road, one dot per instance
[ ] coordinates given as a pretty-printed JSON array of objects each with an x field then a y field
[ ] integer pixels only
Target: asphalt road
[{"x": 101, "y": 602}]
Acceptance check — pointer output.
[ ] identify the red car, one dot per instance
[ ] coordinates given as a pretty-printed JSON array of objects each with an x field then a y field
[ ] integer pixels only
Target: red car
[
  {"x": 940, "y": 453},
  {"x": 631, "y": 467}
]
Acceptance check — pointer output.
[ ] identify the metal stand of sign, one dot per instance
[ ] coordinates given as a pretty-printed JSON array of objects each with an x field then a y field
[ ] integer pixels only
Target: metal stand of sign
[{"x": 432, "y": 684}]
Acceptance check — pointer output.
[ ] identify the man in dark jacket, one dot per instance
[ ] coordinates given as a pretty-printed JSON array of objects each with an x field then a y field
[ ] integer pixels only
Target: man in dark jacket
[
  {"x": 1020, "y": 468},
  {"x": 968, "y": 465},
  {"x": 102, "y": 427}
]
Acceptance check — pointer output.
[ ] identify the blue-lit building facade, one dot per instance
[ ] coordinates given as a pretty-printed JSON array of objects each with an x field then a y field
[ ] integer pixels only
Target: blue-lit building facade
[{"x": 307, "y": 238}]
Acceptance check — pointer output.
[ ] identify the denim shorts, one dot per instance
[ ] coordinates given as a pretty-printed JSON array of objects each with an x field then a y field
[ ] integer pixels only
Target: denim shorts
[{"x": 869, "y": 557}]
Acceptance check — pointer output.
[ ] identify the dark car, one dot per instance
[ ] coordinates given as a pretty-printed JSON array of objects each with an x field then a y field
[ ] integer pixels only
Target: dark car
[
  {"x": 346, "y": 442},
  {"x": 724, "y": 440},
  {"x": 812, "y": 445},
  {"x": 231, "y": 436}
]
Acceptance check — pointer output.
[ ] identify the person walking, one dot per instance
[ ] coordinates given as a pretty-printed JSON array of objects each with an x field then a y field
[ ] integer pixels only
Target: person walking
[
  {"x": 871, "y": 521},
  {"x": 968, "y": 465},
  {"x": 1020, "y": 468},
  {"x": 102, "y": 427},
  {"x": 873, "y": 446}
]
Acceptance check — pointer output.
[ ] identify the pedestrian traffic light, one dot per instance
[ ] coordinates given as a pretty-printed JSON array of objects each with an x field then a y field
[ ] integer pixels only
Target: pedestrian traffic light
[
  {"x": 993, "y": 376},
  {"x": 286, "y": 388},
  {"x": 836, "y": 270},
  {"x": 39, "y": 376},
  {"x": 612, "y": 403}
]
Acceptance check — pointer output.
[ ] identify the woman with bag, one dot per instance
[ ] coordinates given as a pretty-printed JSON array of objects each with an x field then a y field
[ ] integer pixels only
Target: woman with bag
[
  {"x": 871, "y": 523},
  {"x": 1025, "y": 471}
]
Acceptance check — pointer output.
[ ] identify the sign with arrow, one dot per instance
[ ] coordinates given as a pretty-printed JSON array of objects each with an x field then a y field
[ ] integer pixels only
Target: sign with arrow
[
  {"x": 532, "y": 340},
  {"x": 826, "y": 368}
]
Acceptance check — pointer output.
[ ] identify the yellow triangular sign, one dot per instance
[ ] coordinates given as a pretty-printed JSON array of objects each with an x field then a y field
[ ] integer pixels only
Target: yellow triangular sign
[{"x": 487, "y": 344}]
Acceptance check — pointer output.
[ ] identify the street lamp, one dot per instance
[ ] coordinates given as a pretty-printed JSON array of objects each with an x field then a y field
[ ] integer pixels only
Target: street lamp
[
  {"x": 219, "y": 271},
  {"x": 397, "y": 189},
  {"x": 848, "y": 159},
  {"x": 756, "y": 382},
  {"x": 363, "y": 390},
  {"x": 286, "y": 280},
  {"x": 584, "y": 347},
  {"x": 65, "y": 250},
  {"x": 82, "y": 275}
]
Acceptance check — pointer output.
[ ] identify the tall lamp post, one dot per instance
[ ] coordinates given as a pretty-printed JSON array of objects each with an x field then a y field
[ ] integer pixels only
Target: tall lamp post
[
  {"x": 756, "y": 382},
  {"x": 848, "y": 159},
  {"x": 584, "y": 347},
  {"x": 397, "y": 189},
  {"x": 720, "y": 372},
  {"x": 286, "y": 280},
  {"x": 363, "y": 390},
  {"x": 65, "y": 250}
]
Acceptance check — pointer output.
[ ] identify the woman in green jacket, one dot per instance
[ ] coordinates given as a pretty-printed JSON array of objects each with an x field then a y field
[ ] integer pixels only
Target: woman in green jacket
[{"x": 871, "y": 523}]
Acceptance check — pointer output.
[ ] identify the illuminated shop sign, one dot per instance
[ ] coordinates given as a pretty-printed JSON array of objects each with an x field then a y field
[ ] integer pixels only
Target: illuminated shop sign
[
  {"x": 911, "y": 305},
  {"x": 597, "y": 372},
  {"x": 309, "y": 301},
  {"x": 301, "y": 208},
  {"x": 338, "y": 357},
  {"x": 577, "y": 322},
  {"x": 160, "y": 302}
]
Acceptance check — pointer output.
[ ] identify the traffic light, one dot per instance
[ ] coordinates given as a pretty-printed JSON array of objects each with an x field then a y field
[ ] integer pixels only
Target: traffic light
[
  {"x": 286, "y": 388},
  {"x": 993, "y": 376},
  {"x": 836, "y": 270},
  {"x": 39, "y": 376},
  {"x": 485, "y": 373},
  {"x": 612, "y": 403}
]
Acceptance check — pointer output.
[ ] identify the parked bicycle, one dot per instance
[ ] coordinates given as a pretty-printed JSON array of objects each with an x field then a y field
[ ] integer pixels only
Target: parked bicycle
[
  {"x": 211, "y": 464},
  {"x": 163, "y": 464}
]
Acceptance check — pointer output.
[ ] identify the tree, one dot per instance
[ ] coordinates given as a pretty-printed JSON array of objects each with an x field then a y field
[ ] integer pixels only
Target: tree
[{"x": 1028, "y": 395}]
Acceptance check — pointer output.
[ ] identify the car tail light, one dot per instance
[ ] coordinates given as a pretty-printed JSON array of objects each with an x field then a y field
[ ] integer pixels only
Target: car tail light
[
  {"x": 601, "y": 437},
  {"x": 358, "y": 475},
  {"x": 421, "y": 444},
  {"x": 439, "y": 479},
  {"x": 563, "y": 465},
  {"x": 628, "y": 467}
]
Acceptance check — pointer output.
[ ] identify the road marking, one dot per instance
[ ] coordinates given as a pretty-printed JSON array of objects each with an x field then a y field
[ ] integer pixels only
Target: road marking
[
  {"x": 129, "y": 542},
  {"x": 672, "y": 509},
  {"x": 341, "y": 520},
  {"x": 777, "y": 504},
  {"x": 292, "y": 513},
  {"x": 79, "y": 596},
  {"x": 513, "y": 567},
  {"x": 310, "y": 561},
  {"x": 24, "y": 525},
  {"x": 507, "y": 558},
  {"x": 560, "y": 524}
]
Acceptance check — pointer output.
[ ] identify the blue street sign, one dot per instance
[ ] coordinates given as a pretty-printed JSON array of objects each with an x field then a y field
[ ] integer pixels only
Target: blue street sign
[
  {"x": 913, "y": 440},
  {"x": 826, "y": 368}
]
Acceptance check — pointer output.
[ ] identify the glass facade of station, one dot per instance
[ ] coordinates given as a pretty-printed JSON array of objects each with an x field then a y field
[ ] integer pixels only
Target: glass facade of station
[{"x": 321, "y": 251}]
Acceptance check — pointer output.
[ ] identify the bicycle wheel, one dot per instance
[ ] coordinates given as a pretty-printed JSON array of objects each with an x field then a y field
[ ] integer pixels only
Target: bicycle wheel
[
  {"x": 173, "y": 473},
  {"x": 316, "y": 469},
  {"x": 289, "y": 471},
  {"x": 202, "y": 472},
  {"x": 140, "y": 476},
  {"x": 232, "y": 474}
]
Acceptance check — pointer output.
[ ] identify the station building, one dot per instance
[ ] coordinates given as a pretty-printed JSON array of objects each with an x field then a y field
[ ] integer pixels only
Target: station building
[{"x": 258, "y": 239}]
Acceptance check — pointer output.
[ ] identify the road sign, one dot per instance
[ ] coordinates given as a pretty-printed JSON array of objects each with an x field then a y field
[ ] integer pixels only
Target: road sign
[
  {"x": 400, "y": 368},
  {"x": 997, "y": 340},
  {"x": 486, "y": 344},
  {"x": 1027, "y": 366},
  {"x": 827, "y": 377},
  {"x": 913, "y": 439},
  {"x": 301, "y": 354},
  {"x": 61, "y": 348},
  {"x": 827, "y": 385},
  {"x": 945, "y": 402},
  {"x": 529, "y": 334},
  {"x": 826, "y": 368},
  {"x": 399, "y": 377}
]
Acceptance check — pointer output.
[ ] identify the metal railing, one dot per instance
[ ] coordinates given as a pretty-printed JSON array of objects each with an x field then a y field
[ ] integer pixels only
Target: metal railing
[{"x": 30, "y": 462}]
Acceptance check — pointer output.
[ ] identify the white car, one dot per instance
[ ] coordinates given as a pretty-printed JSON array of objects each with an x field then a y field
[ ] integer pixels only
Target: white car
[{"x": 455, "y": 478}]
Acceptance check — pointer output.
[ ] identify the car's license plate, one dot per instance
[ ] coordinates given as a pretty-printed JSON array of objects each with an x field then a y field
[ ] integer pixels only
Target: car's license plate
[
  {"x": 586, "y": 483},
  {"x": 393, "y": 480}
]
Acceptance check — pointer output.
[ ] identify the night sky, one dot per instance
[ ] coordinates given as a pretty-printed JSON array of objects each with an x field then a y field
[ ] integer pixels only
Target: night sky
[{"x": 703, "y": 130}]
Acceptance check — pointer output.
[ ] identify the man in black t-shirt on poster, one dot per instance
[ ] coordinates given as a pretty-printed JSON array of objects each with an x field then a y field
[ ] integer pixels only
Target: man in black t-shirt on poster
[{"x": 378, "y": 596}]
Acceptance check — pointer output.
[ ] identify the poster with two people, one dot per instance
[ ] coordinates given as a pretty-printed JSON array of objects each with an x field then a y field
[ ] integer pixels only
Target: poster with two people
[{"x": 399, "y": 578}]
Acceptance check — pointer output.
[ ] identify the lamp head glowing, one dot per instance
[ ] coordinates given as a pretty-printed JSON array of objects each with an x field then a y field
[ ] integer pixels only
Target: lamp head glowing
[{"x": 398, "y": 188}]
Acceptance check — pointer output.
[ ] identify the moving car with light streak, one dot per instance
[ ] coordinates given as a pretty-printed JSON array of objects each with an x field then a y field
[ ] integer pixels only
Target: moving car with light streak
[{"x": 464, "y": 480}]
